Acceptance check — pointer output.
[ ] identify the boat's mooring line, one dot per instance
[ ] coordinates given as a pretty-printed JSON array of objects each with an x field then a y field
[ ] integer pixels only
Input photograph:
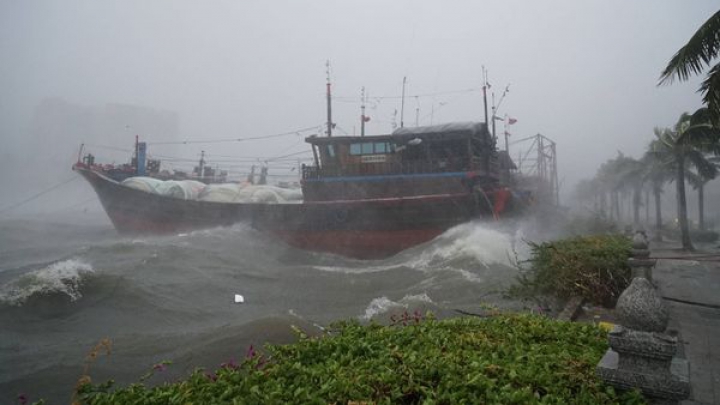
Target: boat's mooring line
[
  {"x": 693, "y": 303},
  {"x": 701, "y": 257},
  {"x": 40, "y": 194}
]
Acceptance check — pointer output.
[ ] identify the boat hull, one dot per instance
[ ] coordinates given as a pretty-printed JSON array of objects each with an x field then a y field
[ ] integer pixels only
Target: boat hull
[{"x": 365, "y": 229}]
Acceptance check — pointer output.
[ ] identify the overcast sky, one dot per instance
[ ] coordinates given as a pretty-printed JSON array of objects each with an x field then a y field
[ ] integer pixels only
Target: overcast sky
[{"x": 583, "y": 73}]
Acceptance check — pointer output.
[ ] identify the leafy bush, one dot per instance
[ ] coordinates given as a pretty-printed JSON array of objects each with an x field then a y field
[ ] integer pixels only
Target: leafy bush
[
  {"x": 593, "y": 267},
  {"x": 505, "y": 359}
]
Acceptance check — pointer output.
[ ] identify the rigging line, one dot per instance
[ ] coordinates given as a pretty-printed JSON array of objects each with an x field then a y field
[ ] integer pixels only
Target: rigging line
[
  {"x": 440, "y": 93},
  {"x": 75, "y": 205},
  {"x": 251, "y": 138},
  {"x": 27, "y": 200},
  {"x": 288, "y": 155}
]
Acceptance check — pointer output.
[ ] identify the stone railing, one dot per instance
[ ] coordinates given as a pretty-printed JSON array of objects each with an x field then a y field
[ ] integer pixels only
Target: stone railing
[{"x": 642, "y": 354}]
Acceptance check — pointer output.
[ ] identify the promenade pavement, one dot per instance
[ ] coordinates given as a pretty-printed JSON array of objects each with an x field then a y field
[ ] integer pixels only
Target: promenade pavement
[{"x": 692, "y": 291}]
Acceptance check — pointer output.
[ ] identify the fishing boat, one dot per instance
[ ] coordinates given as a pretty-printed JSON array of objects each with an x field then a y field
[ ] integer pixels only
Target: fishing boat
[{"x": 366, "y": 197}]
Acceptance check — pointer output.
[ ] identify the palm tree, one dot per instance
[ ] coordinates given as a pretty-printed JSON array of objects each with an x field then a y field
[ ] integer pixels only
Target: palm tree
[
  {"x": 631, "y": 176},
  {"x": 657, "y": 173},
  {"x": 691, "y": 59},
  {"x": 686, "y": 144},
  {"x": 706, "y": 170}
]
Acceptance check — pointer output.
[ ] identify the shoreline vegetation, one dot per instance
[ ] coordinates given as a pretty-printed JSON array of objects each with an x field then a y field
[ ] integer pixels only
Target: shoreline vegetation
[
  {"x": 501, "y": 358},
  {"x": 492, "y": 357}
]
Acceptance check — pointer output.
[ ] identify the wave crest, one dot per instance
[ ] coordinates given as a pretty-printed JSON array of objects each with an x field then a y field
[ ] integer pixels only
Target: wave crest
[{"x": 63, "y": 277}]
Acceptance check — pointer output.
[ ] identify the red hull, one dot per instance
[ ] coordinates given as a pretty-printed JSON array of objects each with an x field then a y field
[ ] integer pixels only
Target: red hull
[{"x": 365, "y": 229}]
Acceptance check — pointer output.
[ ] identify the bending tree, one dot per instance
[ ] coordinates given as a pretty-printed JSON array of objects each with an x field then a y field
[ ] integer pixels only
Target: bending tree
[
  {"x": 686, "y": 145},
  {"x": 658, "y": 171},
  {"x": 692, "y": 58}
]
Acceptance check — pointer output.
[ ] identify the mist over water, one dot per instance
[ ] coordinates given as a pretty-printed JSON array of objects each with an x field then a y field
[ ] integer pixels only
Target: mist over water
[{"x": 64, "y": 285}]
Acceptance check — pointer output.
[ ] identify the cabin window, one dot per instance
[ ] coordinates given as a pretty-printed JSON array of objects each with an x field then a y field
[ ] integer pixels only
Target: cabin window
[
  {"x": 355, "y": 149},
  {"x": 331, "y": 151},
  {"x": 370, "y": 148}
]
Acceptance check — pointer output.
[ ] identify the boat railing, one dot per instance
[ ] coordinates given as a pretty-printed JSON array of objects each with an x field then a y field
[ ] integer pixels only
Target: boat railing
[{"x": 407, "y": 167}]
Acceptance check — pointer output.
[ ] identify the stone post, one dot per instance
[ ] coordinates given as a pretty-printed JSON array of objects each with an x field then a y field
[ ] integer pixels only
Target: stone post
[
  {"x": 639, "y": 261},
  {"x": 641, "y": 354}
]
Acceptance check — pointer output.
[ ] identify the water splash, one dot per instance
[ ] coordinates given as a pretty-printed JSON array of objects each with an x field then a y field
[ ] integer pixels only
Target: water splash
[
  {"x": 383, "y": 304},
  {"x": 64, "y": 277},
  {"x": 474, "y": 241},
  {"x": 465, "y": 246}
]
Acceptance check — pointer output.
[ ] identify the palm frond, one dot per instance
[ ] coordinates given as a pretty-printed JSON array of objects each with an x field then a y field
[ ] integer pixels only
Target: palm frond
[
  {"x": 694, "y": 179},
  {"x": 702, "y": 136},
  {"x": 705, "y": 169},
  {"x": 700, "y": 116},
  {"x": 710, "y": 88},
  {"x": 700, "y": 50}
]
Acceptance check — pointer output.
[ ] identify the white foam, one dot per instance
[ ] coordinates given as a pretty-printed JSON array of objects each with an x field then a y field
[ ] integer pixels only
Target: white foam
[
  {"x": 383, "y": 304},
  {"x": 471, "y": 243},
  {"x": 63, "y": 277},
  {"x": 378, "y": 306},
  {"x": 416, "y": 298},
  {"x": 471, "y": 240}
]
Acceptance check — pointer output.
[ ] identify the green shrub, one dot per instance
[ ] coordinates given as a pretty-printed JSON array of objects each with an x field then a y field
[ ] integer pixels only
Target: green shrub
[
  {"x": 506, "y": 359},
  {"x": 593, "y": 267}
]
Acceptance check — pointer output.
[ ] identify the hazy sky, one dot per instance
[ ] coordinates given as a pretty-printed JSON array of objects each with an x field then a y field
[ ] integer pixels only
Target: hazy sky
[{"x": 581, "y": 72}]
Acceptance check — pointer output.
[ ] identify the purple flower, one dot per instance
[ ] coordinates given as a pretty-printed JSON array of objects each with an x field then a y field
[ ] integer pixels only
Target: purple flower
[
  {"x": 22, "y": 399},
  {"x": 230, "y": 365},
  {"x": 160, "y": 367},
  {"x": 211, "y": 376},
  {"x": 250, "y": 352}
]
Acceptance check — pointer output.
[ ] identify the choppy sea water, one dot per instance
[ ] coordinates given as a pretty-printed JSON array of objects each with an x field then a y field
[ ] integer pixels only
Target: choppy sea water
[{"x": 68, "y": 282}]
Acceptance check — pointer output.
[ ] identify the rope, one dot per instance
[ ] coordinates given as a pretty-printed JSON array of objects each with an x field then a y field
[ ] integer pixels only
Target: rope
[
  {"x": 697, "y": 304},
  {"x": 252, "y": 138},
  {"x": 27, "y": 200},
  {"x": 701, "y": 257}
]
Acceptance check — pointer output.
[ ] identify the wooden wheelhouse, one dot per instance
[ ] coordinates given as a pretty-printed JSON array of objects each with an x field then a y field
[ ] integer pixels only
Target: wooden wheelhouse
[{"x": 445, "y": 159}]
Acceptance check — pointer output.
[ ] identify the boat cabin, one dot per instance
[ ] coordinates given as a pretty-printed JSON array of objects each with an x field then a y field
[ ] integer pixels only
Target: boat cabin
[{"x": 420, "y": 161}]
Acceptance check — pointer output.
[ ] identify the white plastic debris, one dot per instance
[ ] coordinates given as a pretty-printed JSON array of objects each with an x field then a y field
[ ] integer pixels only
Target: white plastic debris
[{"x": 239, "y": 299}]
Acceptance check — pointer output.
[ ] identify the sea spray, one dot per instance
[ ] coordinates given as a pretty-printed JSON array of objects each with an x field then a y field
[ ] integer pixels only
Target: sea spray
[
  {"x": 383, "y": 304},
  {"x": 60, "y": 277},
  {"x": 472, "y": 244}
]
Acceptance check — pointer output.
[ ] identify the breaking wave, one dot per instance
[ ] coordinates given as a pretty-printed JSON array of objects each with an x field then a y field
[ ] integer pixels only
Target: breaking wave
[
  {"x": 464, "y": 246},
  {"x": 64, "y": 277},
  {"x": 383, "y": 304},
  {"x": 475, "y": 242}
]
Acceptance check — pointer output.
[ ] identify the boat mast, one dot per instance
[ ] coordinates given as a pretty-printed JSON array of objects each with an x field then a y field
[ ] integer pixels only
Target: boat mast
[
  {"x": 362, "y": 111},
  {"x": 137, "y": 153},
  {"x": 484, "y": 89},
  {"x": 402, "y": 102},
  {"x": 329, "y": 102},
  {"x": 201, "y": 168},
  {"x": 494, "y": 117}
]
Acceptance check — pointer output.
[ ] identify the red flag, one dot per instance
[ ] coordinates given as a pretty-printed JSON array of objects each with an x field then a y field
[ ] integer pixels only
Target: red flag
[
  {"x": 507, "y": 133},
  {"x": 511, "y": 121},
  {"x": 365, "y": 118}
]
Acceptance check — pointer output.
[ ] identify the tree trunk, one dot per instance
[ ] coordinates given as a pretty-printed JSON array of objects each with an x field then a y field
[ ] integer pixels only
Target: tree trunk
[
  {"x": 636, "y": 201},
  {"x": 701, "y": 206},
  {"x": 682, "y": 204},
  {"x": 658, "y": 214},
  {"x": 616, "y": 205}
]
